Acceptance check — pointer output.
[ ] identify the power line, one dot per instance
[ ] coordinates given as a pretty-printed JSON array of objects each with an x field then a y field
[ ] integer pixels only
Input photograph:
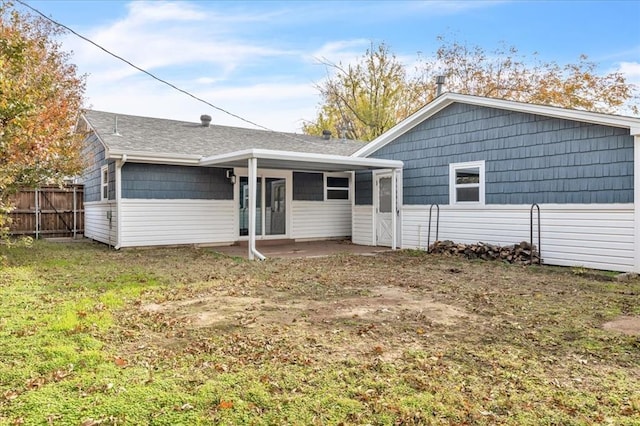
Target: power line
[{"x": 173, "y": 86}]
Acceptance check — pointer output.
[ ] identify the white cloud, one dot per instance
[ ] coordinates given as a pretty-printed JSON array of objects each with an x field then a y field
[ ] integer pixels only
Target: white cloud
[
  {"x": 344, "y": 51},
  {"x": 144, "y": 11},
  {"x": 279, "y": 107},
  {"x": 231, "y": 54},
  {"x": 156, "y": 35},
  {"x": 200, "y": 51},
  {"x": 631, "y": 71}
]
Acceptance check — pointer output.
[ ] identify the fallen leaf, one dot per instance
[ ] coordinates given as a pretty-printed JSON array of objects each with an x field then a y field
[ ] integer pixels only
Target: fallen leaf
[
  {"x": 10, "y": 395},
  {"x": 120, "y": 362},
  {"x": 225, "y": 405}
]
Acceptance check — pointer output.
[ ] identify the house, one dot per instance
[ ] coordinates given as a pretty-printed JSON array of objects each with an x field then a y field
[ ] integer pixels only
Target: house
[
  {"x": 162, "y": 182},
  {"x": 484, "y": 162}
]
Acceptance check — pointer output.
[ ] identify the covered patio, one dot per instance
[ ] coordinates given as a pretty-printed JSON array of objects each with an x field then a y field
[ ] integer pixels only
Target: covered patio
[{"x": 255, "y": 159}]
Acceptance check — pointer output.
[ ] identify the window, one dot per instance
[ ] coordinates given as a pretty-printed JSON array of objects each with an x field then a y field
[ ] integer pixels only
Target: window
[
  {"x": 104, "y": 180},
  {"x": 337, "y": 188},
  {"x": 466, "y": 183}
]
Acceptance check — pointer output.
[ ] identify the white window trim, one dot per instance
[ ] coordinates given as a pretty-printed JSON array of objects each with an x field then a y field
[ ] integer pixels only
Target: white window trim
[
  {"x": 104, "y": 184},
  {"x": 452, "y": 182},
  {"x": 328, "y": 188}
]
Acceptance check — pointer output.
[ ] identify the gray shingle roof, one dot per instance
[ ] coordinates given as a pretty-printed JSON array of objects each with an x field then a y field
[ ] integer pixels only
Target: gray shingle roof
[{"x": 161, "y": 136}]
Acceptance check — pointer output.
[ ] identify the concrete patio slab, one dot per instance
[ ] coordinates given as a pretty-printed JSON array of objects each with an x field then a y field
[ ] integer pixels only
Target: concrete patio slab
[{"x": 289, "y": 249}]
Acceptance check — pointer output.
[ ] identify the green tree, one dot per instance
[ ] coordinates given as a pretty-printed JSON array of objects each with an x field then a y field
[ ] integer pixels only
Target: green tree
[
  {"x": 377, "y": 92},
  {"x": 40, "y": 98},
  {"x": 363, "y": 100}
]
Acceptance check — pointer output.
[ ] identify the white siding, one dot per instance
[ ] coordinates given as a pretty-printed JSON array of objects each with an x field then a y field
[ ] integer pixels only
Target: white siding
[
  {"x": 97, "y": 225},
  {"x": 363, "y": 232},
  {"x": 599, "y": 236},
  {"x": 320, "y": 219},
  {"x": 166, "y": 222}
]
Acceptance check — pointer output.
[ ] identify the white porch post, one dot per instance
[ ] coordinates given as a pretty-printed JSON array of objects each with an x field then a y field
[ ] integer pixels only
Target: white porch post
[
  {"x": 394, "y": 204},
  {"x": 253, "y": 185},
  {"x": 253, "y": 171},
  {"x": 636, "y": 203}
]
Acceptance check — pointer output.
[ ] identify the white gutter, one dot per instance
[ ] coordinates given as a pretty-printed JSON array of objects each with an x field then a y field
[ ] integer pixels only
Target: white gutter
[
  {"x": 267, "y": 154},
  {"x": 154, "y": 158}
]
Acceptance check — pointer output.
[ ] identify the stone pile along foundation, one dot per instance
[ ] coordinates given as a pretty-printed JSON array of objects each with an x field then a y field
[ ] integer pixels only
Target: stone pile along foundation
[{"x": 523, "y": 253}]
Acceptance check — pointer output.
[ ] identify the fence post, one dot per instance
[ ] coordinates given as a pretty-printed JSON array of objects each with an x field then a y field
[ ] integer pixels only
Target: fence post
[
  {"x": 75, "y": 224},
  {"x": 37, "y": 212}
]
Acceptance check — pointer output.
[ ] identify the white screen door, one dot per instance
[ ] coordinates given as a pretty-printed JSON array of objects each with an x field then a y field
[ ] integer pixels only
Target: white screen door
[{"x": 384, "y": 219}]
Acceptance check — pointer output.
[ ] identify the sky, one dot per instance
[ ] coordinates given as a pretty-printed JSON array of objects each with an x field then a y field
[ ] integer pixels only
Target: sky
[{"x": 262, "y": 60}]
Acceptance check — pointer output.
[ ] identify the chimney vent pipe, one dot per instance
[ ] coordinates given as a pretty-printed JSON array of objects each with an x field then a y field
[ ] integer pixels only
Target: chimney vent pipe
[
  {"x": 205, "y": 120},
  {"x": 439, "y": 84}
]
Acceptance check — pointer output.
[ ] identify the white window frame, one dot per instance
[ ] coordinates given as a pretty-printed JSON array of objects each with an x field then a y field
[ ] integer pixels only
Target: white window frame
[
  {"x": 104, "y": 186},
  {"x": 453, "y": 167},
  {"x": 328, "y": 188}
]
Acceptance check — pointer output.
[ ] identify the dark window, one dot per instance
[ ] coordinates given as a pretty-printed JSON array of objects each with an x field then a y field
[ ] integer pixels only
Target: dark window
[{"x": 337, "y": 188}]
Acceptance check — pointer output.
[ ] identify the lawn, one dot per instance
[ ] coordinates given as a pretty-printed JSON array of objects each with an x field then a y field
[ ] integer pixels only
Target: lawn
[{"x": 183, "y": 336}]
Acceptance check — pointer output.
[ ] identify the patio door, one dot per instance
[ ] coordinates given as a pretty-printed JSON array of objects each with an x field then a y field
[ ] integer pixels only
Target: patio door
[
  {"x": 271, "y": 206},
  {"x": 384, "y": 212}
]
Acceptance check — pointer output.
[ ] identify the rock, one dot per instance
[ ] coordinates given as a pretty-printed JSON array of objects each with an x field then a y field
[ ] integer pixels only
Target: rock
[
  {"x": 521, "y": 253},
  {"x": 627, "y": 276}
]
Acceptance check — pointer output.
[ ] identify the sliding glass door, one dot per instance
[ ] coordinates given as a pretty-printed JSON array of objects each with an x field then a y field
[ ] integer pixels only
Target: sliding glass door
[{"x": 271, "y": 206}]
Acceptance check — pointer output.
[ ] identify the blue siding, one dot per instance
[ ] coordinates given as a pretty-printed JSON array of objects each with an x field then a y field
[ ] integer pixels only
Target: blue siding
[
  {"x": 93, "y": 153},
  {"x": 158, "y": 181},
  {"x": 364, "y": 188},
  {"x": 528, "y": 158}
]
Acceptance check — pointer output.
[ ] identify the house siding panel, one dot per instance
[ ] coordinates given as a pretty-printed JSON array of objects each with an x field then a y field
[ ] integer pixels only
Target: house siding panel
[
  {"x": 97, "y": 224},
  {"x": 529, "y": 158},
  {"x": 94, "y": 153},
  {"x": 157, "y": 181},
  {"x": 147, "y": 222},
  {"x": 589, "y": 235},
  {"x": 362, "y": 227},
  {"x": 330, "y": 219},
  {"x": 364, "y": 188}
]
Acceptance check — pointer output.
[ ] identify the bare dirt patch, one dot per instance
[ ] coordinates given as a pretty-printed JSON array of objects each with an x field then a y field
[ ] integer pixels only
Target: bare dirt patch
[
  {"x": 629, "y": 325},
  {"x": 373, "y": 317}
]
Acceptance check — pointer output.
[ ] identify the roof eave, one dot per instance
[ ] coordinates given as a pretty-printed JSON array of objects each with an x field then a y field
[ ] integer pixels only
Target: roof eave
[{"x": 302, "y": 157}]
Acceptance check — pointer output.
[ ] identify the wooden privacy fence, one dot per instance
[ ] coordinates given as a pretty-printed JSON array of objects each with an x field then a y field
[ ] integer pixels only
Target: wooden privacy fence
[{"x": 48, "y": 212}]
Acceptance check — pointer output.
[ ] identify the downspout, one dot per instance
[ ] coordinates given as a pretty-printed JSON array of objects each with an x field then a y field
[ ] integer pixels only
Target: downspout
[
  {"x": 636, "y": 200},
  {"x": 394, "y": 221},
  {"x": 253, "y": 171},
  {"x": 119, "y": 165}
]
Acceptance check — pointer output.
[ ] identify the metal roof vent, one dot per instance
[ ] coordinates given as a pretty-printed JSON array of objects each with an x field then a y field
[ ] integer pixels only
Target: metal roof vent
[
  {"x": 326, "y": 135},
  {"x": 439, "y": 84},
  {"x": 115, "y": 126},
  {"x": 205, "y": 120}
]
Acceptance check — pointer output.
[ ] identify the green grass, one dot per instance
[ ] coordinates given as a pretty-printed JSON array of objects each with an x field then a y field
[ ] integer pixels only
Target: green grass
[{"x": 89, "y": 334}]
